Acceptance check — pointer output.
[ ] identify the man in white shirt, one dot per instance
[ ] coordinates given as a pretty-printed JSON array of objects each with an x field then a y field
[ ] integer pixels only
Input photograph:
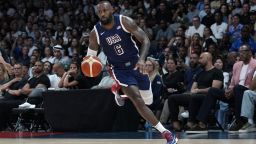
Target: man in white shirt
[
  {"x": 219, "y": 27},
  {"x": 58, "y": 53},
  {"x": 58, "y": 70},
  {"x": 197, "y": 27}
]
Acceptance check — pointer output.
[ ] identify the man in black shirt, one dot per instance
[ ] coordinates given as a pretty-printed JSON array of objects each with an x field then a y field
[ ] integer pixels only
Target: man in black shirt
[
  {"x": 210, "y": 77},
  {"x": 207, "y": 78},
  {"x": 12, "y": 96},
  {"x": 40, "y": 80}
]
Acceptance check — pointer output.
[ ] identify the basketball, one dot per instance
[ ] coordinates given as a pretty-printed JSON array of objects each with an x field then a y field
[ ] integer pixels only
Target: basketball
[{"x": 91, "y": 66}]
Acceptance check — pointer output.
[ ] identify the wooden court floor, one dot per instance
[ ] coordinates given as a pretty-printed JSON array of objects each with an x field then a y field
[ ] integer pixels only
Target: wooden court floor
[{"x": 123, "y": 141}]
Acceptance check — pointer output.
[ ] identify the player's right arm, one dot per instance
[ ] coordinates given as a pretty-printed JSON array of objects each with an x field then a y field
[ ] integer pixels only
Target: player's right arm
[{"x": 93, "y": 45}]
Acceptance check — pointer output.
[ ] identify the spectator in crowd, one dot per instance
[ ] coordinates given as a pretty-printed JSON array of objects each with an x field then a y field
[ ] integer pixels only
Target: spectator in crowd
[
  {"x": 75, "y": 58},
  {"x": 253, "y": 5},
  {"x": 219, "y": 27},
  {"x": 200, "y": 5},
  {"x": 25, "y": 70},
  {"x": 208, "y": 19},
  {"x": 37, "y": 53},
  {"x": 215, "y": 4},
  {"x": 29, "y": 43},
  {"x": 142, "y": 24},
  {"x": 245, "y": 14},
  {"x": 152, "y": 68},
  {"x": 12, "y": 96},
  {"x": 63, "y": 16},
  {"x": 74, "y": 47},
  {"x": 237, "y": 7},
  {"x": 47, "y": 68},
  {"x": 222, "y": 113},
  {"x": 208, "y": 38},
  {"x": 68, "y": 79},
  {"x": 46, "y": 42},
  {"x": 225, "y": 44},
  {"x": 191, "y": 72},
  {"x": 182, "y": 54},
  {"x": 163, "y": 13},
  {"x": 172, "y": 84},
  {"x": 152, "y": 20},
  {"x": 213, "y": 49},
  {"x": 17, "y": 47},
  {"x": 197, "y": 27},
  {"x": 164, "y": 31},
  {"x": 248, "y": 106},
  {"x": 126, "y": 9},
  {"x": 33, "y": 60},
  {"x": 38, "y": 81},
  {"x": 195, "y": 45},
  {"x": 180, "y": 15},
  {"x": 48, "y": 56},
  {"x": 166, "y": 54},
  {"x": 207, "y": 78},
  {"x": 156, "y": 50},
  {"x": 58, "y": 71},
  {"x": 59, "y": 56},
  {"x": 245, "y": 39},
  {"x": 192, "y": 12},
  {"x": 224, "y": 10},
  {"x": 240, "y": 81},
  {"x": 234, "y": 27}
]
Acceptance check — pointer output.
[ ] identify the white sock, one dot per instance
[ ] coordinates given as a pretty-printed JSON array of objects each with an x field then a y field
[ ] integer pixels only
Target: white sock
[
  {"x": 250, "y": 121},
  {"x": 160, "y": 127}
]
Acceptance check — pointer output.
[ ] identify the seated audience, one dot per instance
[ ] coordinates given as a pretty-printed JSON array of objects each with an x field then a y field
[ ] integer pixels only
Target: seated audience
[
  {"x": 241, "y": 79},
  {"x": 12, "y": 96}
]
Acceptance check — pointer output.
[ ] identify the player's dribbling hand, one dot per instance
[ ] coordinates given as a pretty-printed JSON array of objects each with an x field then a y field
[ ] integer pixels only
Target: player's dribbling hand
[{"x": 140, "y": 66}]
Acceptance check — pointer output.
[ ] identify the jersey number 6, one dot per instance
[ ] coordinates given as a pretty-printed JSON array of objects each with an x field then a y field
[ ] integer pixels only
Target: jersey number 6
[{"x": 119, "y": 50}]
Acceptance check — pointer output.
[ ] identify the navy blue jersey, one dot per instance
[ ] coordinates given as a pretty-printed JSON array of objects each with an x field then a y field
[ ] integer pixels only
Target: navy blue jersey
[{"x": 118, "y": 45}]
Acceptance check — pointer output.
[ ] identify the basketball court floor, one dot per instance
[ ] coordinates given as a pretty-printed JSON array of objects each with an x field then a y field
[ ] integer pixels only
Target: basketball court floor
[{"x": 123, "y": 138}]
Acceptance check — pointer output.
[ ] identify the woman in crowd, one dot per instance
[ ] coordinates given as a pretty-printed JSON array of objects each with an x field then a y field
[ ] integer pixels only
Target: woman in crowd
[
  {"x": 152, "y": 68},
  {"x": 219, "y": 64},
  {"x": 208, "y": 38},
  {"x": 68, "y": 80},
  {"x": 74, "y": 47},
  {"x": 173, "y": 84}
]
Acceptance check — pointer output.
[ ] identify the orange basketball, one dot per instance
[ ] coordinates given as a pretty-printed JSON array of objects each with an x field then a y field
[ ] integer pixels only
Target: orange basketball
[{"x": 91, "y": 66}]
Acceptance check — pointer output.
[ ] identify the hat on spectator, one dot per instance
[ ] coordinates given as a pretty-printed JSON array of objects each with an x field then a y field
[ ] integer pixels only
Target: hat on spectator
[{"x": 57, "y": 47}]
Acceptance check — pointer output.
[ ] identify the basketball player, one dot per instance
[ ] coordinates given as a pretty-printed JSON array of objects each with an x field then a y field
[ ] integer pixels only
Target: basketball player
[{"x": 113, "y": 33}]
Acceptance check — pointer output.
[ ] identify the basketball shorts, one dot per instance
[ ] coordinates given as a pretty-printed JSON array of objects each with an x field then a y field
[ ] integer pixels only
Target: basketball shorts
[{"x": 134, "y": 77}]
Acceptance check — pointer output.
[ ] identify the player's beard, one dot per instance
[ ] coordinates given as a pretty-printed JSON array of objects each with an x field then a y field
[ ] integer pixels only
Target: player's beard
[{"x": 107, "y": 21}]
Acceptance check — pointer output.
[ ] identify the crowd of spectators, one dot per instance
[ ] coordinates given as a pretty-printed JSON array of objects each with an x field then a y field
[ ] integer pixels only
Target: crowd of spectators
[{"x": 50, "y": 38}]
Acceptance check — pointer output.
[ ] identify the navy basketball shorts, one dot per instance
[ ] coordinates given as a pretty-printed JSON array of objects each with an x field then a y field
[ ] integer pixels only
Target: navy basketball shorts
[{"x": 134, "y": 77}]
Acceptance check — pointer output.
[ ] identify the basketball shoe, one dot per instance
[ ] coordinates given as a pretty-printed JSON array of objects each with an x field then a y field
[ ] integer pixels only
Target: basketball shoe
[
  {"x": 115, "y": 90},
  {"x": 170, "y": 137}
]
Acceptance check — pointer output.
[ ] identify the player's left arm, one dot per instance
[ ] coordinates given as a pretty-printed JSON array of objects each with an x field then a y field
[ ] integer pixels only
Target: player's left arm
[{"x": 140, "y": 35}]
